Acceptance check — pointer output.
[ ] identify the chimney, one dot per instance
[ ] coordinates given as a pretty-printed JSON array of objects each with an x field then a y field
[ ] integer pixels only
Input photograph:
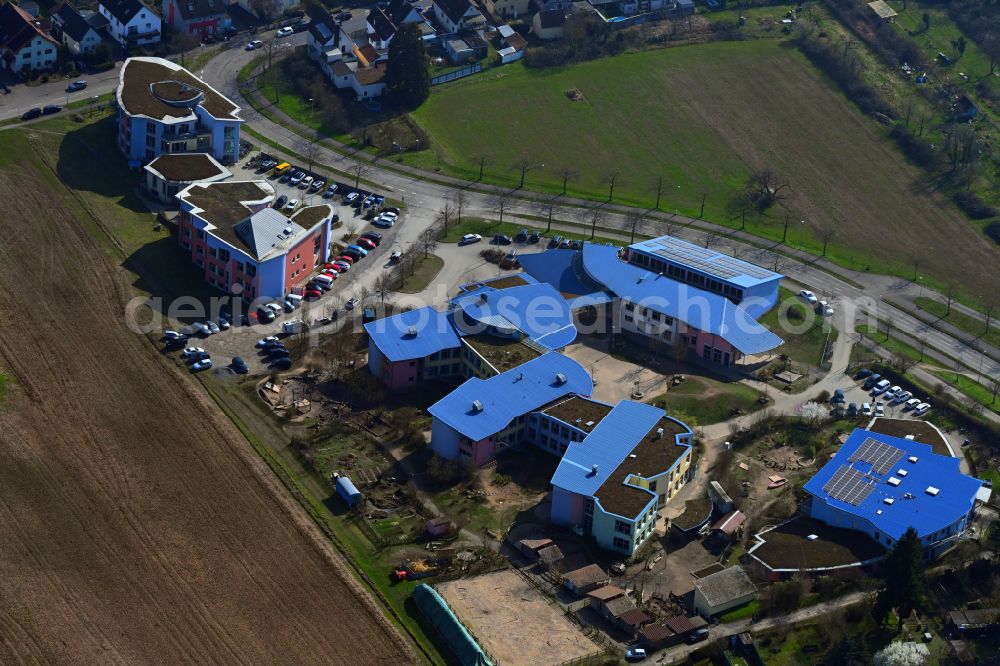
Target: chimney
[
  {"x": 560, "y": 379},
  {"x": 477, "y": 406},
  {"x": 659, "y": 433},
  {"x": 411, "y": 331},
  {"x": 593, "y": 470}
]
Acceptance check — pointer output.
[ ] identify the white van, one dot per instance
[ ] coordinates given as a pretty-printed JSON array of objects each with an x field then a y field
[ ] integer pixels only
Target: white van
[
  {"x": 325, "y": 279},
  {"x": 881, "y": 387},
  {"x": 294, "y": 299}
]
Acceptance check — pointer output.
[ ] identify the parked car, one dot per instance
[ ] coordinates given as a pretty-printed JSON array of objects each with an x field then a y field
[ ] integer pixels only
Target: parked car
[
  {"x": 278, "y": 352},
  {"x": 351, "y": 304},
  {"x": 282, "y": 363},
  {"x": 170, "y": 334},
  {"x": 254, "y": 45},
  {"x": 374, "y": 235},
  {"x": 317, "y": 185},
  {"x": 892, "y": 392},
  {"x": 866, "y": 409},
  {"x": 862, "y": 373},
  {"x": 902, "y": 397},
  {"x": 284, "y": 32},
  {"x": 852, "y": 409},
  {"x": 313, "y": 293},
  {"x": 265, "y": 316},
  {"x": 522, "y": 236},
  {"x": 366, "y": 243},
  {"x": 281, "y": 201},
  {"x": 345, "y": 258},
  {"x": 292, "y": 204},
  {"x": 203, "y": 364},
  {"x": 79, "y": 84},
  {"x": 191, "y": 351},
  {"x": 911, "y": 404},
  {"x": 31, "y": 114},
  {"x": 825, "y": 309},
  {"x": 350, "y": 197},
  {"x": 240, "y": 366},
  {"x": 635, "y": 654},
  {"x": 922, "y": 409},
  {"x": 271, "y": 338},
  {"x": 329, "y": 191},
  {"x": 360, "y": 250},
  {"x": 555, "y": 242},
  {"x": 500, "y": 239},
  {"x": 384, "y": 222},
  {"x": 576, "y": 244},
  {"x": 49, "y": 109},
  {"x": 389, "y": 215},
  {"x": 872, "y": 380},
  {"x": 391, "y": 209},
  {"x": 838, "y": 396},
  {"x": 881, "y": 387},
  {"x": 879, "y": 408},
  {"x": 306, "y": 183},
  {"x": 468, "y": 239},
  {"x": 213, "y": 328},
  {"x": 697, "y": 636},
  {"x": 297, "y": 177},
  {"x": 224, "y": 323},
  {"x": 534, "y": 237},
  {"x": 808, "y": 297}
]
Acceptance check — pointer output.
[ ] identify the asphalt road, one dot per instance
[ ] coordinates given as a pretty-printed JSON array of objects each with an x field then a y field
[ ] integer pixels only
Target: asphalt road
[
  {"x": 425, "y": 198},
  {"x": 22, "y": 97}
]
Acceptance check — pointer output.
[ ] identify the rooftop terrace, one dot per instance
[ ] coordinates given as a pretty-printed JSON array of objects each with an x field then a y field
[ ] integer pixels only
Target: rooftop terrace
[{"x": 582, "y": 413}]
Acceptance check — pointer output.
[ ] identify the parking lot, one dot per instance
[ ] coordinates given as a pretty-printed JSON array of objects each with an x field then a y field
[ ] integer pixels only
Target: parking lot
[{"x": 329, "y": 307}]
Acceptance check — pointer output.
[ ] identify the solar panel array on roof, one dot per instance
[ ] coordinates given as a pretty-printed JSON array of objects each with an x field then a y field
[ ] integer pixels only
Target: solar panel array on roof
[
  {"x": 708, "y": 261},
  {"x": 881, "y": 456},
  {"x": 849, "y": 485}
]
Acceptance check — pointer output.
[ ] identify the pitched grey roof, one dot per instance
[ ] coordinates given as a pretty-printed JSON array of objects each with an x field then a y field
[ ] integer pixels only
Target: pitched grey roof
[
  {"x": 125, "y": 10},
  {"x": 267, "y": 230},
  {"x": 72, "y": 22},
  {"x": 724, "y": 586}
]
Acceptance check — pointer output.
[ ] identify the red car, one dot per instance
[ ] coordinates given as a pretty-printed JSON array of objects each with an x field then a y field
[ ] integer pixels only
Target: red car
[
  {"x": 329, "y": 272},
  {"x": 328, "y": 266},
  {"x": 364, "y": 242},
  {"x": 313, "y": 293},
  {"x": 334, "y": 268},
  {"x": 346, "y": 259}
]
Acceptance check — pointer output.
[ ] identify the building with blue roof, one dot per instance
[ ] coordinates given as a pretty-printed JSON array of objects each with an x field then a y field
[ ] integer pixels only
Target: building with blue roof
[
  {"x": 641, "y": 300},
  {"x": 883, "y": 485},
  {"x": 610, "y": 485},
  {"x": 483, "y": 416},
  {"x": 716, "y": 272},
  {"x": 411, "y": 347},
  {"x": 536, "y": 311}
]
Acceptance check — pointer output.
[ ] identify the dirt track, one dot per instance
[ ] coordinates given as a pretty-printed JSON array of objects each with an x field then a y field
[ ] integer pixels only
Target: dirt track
[{"x": 136, "y": 524}]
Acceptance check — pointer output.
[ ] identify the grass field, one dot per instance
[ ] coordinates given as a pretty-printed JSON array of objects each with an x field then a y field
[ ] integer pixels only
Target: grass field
[
  {"x": 970, "y": 325},
  {"x": 702, "y": 401},
  {"x": 427, "y": 268},
  {"x": 805, "y": 347},
  {"x": 704, "y": 117},
  {"x": 969, "y": 387}
]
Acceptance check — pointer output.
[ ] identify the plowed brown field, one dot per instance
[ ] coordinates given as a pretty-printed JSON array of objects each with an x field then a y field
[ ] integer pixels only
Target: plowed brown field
[{"x": 137, "y": 526}]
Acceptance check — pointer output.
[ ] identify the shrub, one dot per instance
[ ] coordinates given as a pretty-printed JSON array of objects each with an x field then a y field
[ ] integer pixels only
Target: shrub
[
  {"x": 974, "y": 206},
  {"x": 993, "y": 231},
  {"x": 914, "y": 147}
]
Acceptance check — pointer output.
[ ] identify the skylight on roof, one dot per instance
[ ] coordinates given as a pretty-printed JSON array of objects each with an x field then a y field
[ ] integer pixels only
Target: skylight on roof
[
  {"x": 932, "y": 491},
  {"x": 901, "y": 472},
  {"x": 893, "y": 481}
]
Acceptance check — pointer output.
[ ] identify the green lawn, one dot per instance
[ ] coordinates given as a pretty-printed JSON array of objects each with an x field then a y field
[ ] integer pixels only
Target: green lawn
[
  {"x": 970, "y": 325},
  {"x": 703, "y": 117},
  {"x": 741, "y": 612},
  {"x": 804, "y": 332},
  {"x": 428, "y": 267},
  {"x": 702, "y": 401},
  {"x": 969, "y": 387}
]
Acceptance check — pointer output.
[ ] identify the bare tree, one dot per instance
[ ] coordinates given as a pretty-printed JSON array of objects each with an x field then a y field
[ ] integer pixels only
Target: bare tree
[
  {"x": 765, "y": 188},
  {"x": 501, "y": 202},
  {"x": 994, "y": 388},
  {"x": 351, "y": 226},
  {"x": 611, "y": 178},
  {"x": 916, "y": 260},
  {"x": 635, "y": 222},
  {"x": 383, "y": 286},
  {"x": 360, "y": 170},
  {"x": 826, "y": 234},
  {"x": 483, "y": 160},
  {"x": 596, "y": 217},
  {"x": 459, "y": 200},
  {"x": 949, "y": 292},
  {"x": 659, "y": 191},
  {"x": 427, "y": 240},
  {"x": 567, "y": 175},
  {"x": 443, "y": 219},
  {"x": 990, "y": 307},
  {"x": 309, "y": 149},
  {"x": 549, "y": 208},
  {"x": 524, "y": 164},
  {"x": 364, "y": 294}
]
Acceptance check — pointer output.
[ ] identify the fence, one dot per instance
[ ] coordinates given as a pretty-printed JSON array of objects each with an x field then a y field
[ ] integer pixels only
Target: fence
[{"x": 468, "y": 70}]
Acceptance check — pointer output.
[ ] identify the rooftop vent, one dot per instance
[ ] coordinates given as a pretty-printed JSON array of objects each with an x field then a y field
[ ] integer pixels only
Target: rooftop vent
[
  {"x": 631, "y": 455},
  {"x": 932, "y": 491},
  {"x": 287, "y": 231},
  {"x": 812, "y": 537},
  {"x": 888, "y": 500},
  {"x": 484, "y": 297},
  {"x": 878, "y": 512},
  {"x": 893, "y": 481},
  {"x": 560, "y": 379},
  {"x": 593, "y": 470},
  {"x": 901, "y": 472},
  {"x": 590, "y": 424},
  {"x": 908, "y": 496},
  {"x": 912, "y": 459},
  {"x": 659, "y": 433},
  {"x": 578, "y": 421},
  {"x": 910, "y": 437},
  {"x": 477, "y": 406},
  {"x": 411, "y": 332}
]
